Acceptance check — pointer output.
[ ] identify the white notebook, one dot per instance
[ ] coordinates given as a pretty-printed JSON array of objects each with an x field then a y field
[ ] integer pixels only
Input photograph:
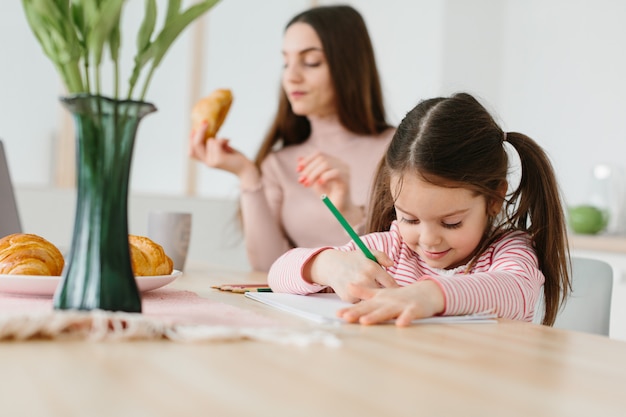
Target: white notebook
[{"x": 322, "y": 308}]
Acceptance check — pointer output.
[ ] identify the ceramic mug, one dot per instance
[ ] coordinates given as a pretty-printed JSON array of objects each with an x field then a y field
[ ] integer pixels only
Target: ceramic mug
[{"x": 172, "y": 230}]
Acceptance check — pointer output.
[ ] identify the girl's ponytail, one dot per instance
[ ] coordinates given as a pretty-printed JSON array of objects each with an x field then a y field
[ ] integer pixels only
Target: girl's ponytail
[{"x": 535, "y": 206}]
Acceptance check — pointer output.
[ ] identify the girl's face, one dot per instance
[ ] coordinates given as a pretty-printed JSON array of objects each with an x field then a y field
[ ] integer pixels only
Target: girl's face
[
  {"x": 442, "y": 225},
  {"x": 306, "y": 75}
]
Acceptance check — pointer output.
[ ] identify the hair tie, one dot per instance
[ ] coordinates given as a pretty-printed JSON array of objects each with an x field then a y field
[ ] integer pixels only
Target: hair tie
[{"x": 503, "y": 136}]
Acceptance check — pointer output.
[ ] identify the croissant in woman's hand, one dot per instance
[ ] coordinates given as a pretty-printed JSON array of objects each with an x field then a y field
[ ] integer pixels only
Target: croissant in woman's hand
[
  {"x": 28, "y": 254},
  {"x": 212, "y": 110}
]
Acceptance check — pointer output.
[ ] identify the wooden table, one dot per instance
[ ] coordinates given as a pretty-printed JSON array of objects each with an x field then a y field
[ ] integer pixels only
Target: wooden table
[{"x": 503, "y": 369}]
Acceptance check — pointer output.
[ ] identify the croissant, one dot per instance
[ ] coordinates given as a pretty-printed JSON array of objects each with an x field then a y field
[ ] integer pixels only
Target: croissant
[
  {"x": 212, "y": 109},
  {"x": 148, "y": 257},
  {"x": 28, "y": 254}
]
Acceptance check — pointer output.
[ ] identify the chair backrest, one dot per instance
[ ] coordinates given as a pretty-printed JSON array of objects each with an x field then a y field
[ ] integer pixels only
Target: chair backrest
[{"x": 588, "y": 308}]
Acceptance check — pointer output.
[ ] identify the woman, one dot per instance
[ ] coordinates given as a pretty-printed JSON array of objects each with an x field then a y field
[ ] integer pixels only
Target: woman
[{"x": 327, "y": 137}]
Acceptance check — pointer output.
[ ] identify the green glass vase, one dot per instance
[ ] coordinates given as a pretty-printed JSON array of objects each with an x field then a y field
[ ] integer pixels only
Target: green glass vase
[{"x": 98, "y": 274}]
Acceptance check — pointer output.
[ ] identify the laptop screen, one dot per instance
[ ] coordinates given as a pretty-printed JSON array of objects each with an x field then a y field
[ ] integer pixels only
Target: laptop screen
[{"x": 9, "y": 216}]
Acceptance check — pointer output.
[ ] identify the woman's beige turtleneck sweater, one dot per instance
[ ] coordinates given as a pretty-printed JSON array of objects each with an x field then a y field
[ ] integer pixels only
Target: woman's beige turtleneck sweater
[{"x": 281, "y": 213}]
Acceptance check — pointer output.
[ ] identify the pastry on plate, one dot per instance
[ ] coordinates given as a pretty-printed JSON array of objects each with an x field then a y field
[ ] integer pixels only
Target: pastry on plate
[
  {"x": 148, "y": 257},
  {"x": 29, "y": 254}
]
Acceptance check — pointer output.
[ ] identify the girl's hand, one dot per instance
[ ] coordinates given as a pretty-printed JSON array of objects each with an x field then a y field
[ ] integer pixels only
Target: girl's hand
[
  {"x": 344, "y": 270},
  {"x": 331, "y": 176},
  {"x": 217, "y": 153},
  {"x": 405, "y": 304}
]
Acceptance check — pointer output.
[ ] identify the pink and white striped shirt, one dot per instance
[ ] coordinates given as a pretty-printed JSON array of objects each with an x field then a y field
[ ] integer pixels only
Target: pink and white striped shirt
[{"x": 506, "y": 278}]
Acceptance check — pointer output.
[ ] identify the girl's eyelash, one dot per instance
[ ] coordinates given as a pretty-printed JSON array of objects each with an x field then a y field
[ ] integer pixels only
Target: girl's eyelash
[{"x": 446, "y": 225}]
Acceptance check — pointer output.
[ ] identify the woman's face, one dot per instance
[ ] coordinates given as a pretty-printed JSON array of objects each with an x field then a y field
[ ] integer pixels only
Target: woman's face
[
  {"x": 306, "y": 75},
  {"x": 442, "y": 225}
]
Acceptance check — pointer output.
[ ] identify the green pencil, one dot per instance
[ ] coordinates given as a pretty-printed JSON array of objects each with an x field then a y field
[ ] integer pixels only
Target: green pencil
[{"x": 348, "y": 228}]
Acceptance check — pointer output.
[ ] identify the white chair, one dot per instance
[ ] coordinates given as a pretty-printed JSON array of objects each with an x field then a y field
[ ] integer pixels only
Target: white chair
[{"x": 588, "y": 308}]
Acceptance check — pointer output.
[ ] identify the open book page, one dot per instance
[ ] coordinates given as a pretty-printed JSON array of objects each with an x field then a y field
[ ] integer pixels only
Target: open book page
[{"x": 322, "y": 308}]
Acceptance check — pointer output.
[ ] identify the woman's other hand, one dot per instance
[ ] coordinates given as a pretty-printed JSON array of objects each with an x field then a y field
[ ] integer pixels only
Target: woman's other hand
[{"x": 331, "y": 176}]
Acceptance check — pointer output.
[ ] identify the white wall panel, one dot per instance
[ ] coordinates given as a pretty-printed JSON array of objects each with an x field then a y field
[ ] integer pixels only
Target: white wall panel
[
  {"x": 29, "y": 91},
  {"x": 553, "y": 69},
  {"x": 563, "y": 83}
]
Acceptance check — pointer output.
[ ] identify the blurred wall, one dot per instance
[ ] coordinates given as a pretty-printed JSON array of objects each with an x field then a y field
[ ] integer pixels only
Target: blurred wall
[{"x": 550, "y": 68}]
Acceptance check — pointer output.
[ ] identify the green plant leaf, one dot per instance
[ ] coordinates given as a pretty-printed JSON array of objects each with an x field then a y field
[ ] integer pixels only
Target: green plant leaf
[
  {"x": 174, "y": 26},
  {"x": 46, "y": 18},
  {"x": 173, "y": 6},
  {"x": 147, "y": 26},
  {"x": 144, "y": 54},
  {"x": 75, "y": 33},
  {"x": 100, "y": 23},
  {"x": 51, "y": 23},
  {"x": 78, "y": 18},
  {"x": 115, "y": 42}
]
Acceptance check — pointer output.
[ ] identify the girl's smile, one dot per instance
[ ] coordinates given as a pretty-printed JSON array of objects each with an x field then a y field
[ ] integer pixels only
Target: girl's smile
[{"x": 435, "y": 255}]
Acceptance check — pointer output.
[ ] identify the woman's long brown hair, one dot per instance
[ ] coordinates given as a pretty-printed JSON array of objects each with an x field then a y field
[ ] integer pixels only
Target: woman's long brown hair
[{"x": 350, "y": 55}]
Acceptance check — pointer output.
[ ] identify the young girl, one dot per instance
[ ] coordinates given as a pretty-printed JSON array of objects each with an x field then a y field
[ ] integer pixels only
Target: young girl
[{"x": 448, "y": 236}]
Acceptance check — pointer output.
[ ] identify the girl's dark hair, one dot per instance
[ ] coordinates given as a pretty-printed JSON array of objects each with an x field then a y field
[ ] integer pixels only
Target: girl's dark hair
[
  {"x": 455, "y": 142},
  {"x": 346, "y": 45}
]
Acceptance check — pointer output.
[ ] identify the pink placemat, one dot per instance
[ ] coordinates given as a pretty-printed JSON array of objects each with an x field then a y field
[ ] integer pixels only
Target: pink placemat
[
  {"x": 176, "y": 306},
  {"x": 167, "y": 314}
]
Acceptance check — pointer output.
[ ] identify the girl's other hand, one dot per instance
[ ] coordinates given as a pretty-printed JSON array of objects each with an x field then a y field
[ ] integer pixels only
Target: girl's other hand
[
  {"x": 404, "y": 304},
  {"x": 344, "y": 270}
]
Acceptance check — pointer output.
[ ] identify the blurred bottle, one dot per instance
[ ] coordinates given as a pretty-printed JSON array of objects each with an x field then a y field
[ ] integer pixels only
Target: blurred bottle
[{"x": 607, "y": 194}]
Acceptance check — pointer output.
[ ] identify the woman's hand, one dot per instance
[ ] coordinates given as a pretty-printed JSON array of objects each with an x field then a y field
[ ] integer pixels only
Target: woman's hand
[
  {"x": 331, "y": 176},
  {"x": 343, "y": 270},
  {"x": 217, "y": 153},
  {"x": 405, "y": 304}
]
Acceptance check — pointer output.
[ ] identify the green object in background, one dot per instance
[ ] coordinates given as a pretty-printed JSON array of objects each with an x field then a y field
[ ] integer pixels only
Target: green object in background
[{"x": 587, "y": 219}]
